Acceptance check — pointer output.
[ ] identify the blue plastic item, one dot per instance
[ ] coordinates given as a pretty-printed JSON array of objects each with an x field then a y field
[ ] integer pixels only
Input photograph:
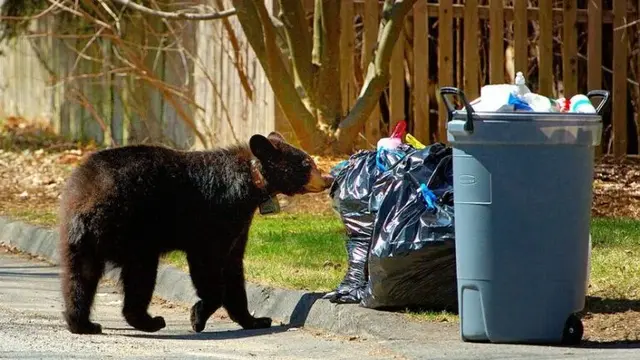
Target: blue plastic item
[
  {"x": 522, "y": 199},
  {"x": 429, "y": 197},
  {"x": 518, "y": 104}
]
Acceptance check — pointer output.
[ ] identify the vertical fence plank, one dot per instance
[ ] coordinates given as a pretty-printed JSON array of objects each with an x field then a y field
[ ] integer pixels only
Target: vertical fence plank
[
  {"x": 396, "y": 83},
  {"x": 421, "y": 73},
  {"x": 445, "y": 65},
  {"x": 347, "y": 40},
  {"x": 75, "y": 118},
  {"x": 458, "y": 48},
  {"x": 594, "y": 50},
  {"x": 370, "y": 40},
  {"x": 93, "y": 114},
  {"x": 56, "y": 65},
  {"x": 569, "y": 48},
  {"x": 496, "y": 43},
  {"x": 619, "y": 79},
  {"x": 545, "y": 45},
  {"x": 471, "y": 64},
  {"x": 521, "y": 38}
]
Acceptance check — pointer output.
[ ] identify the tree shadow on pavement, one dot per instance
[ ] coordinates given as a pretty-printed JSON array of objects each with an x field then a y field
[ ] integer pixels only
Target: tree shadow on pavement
[
  {"x": 598, "y": 305},
  {"x": 627, "y": 344},
  {"x": 19, "y": 274},
  {"x": 214, "y": 335},
  {"x": 27, "y": 267}
]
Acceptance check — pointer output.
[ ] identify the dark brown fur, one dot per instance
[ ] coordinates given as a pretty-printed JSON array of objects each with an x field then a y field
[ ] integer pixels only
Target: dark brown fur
[{"x": 127, "y": 206}]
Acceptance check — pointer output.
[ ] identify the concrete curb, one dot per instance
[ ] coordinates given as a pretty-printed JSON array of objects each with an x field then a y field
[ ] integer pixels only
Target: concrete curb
[{"x": 295, "y": 308}]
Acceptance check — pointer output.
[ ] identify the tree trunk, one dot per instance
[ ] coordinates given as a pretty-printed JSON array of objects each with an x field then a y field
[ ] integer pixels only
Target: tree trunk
[
  {"x": 260, "y": 32},
  {"x": 377, "y": 75},
  {"x": 326, "y": 54}
]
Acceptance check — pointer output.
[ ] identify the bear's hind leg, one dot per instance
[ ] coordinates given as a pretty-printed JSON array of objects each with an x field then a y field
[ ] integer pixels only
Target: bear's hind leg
[
  {"x": 138, "y": 280},
  {"x": 80, "y": 276}
]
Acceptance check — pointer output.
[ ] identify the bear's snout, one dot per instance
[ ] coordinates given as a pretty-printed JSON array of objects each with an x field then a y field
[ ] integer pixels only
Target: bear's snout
[
  {"x": 328, "y": 180},
  {"x": 318, "y": 182}
]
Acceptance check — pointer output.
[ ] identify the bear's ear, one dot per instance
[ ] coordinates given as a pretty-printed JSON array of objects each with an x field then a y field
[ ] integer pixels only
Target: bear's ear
[
  {"x": 261, "y": 147},
  {"x": 276, "y": 136}
]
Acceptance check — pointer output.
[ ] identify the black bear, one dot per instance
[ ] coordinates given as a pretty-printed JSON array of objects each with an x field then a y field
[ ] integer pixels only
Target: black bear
[{"x": 127, "y": 206}]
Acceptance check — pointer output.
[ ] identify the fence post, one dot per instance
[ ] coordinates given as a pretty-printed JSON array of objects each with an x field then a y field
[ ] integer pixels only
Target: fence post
[
  {"x": 620, "y": 62},
  {"x": 445, "y": 63}
]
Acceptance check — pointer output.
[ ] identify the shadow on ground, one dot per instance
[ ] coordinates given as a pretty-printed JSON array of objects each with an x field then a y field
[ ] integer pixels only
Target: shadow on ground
[
  {"x": 303, "y": 307},
  {"x": 214, "y": 335},
  {"x": 298, "y": 318},
  {"x": 21, "y": 274},
  {"x": 598, "y": 305},
  {"x": 27, "y": 267},
  {"x": 630, "y": 344}
]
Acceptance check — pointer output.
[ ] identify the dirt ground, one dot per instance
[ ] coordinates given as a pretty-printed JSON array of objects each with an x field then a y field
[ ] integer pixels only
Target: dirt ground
[
  {"x": 31, "y": 179},
  {"x": 34, "y": 166}
]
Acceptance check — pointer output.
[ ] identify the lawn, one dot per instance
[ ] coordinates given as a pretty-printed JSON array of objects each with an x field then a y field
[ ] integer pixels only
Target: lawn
[{"x": 292, "y": 251}]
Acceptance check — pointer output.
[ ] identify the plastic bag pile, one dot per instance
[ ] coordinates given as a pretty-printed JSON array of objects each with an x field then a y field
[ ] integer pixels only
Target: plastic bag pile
[{"x": 397, "y": 207}]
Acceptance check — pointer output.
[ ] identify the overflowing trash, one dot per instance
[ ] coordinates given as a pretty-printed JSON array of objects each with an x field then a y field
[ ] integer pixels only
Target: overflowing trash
[
  {"x": 397, "y": 206},
  {"x": 396, "y": 203},
  {"x": 517, "y": 97}
]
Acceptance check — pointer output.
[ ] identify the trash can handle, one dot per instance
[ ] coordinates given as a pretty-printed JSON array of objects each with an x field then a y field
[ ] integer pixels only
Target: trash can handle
[
  {"x": 447, "y": 90},
  {"x": 604, "y": 94}
]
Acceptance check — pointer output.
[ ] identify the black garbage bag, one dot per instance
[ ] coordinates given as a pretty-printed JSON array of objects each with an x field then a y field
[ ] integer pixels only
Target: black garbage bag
[
  {"x": 350, "y": 195},
  {"x": 411, "y": 262}
]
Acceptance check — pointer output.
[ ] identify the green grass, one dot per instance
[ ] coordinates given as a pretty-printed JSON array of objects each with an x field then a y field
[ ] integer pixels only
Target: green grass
[
  {"x": 292, "y": 251},
  {"x": 615, "y": 232},
  {"x": 33, "y": 216},
  {"x": 615, "y": 259},
  {"x": 307, "y": 252}
]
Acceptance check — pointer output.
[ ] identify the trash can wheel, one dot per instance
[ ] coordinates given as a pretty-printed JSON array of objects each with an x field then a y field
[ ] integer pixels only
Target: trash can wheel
[{"x": 573, "y": 330}]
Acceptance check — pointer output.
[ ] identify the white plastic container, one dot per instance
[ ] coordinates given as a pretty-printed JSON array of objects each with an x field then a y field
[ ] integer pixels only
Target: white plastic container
[{"x": 581, "y": 104}]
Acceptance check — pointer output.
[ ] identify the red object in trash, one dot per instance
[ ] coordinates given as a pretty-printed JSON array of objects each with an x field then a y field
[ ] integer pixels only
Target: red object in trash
[{"x": 399, "y": 130}]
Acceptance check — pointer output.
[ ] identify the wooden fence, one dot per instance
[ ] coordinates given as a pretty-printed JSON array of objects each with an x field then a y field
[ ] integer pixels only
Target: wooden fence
[
  {"x": 564, "y": 47},
  {"x": 195, "y": 76}
]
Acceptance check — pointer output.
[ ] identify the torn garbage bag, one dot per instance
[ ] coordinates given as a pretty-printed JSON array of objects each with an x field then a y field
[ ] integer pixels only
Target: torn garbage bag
[
  {"x": 350, "y": 195},
  {"x": 411, "y": 262}
]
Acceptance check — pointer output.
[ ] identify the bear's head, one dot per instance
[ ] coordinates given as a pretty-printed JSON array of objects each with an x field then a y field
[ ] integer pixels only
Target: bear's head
[{"x": 287, "y": 169}]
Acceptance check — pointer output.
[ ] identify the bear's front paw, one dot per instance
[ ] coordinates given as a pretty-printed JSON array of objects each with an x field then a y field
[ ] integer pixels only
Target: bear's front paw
[{"x": 258, "y": 323}]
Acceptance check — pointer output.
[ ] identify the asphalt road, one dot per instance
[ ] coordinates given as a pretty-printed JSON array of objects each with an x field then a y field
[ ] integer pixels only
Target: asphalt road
[{"x": 31, "y": 327}]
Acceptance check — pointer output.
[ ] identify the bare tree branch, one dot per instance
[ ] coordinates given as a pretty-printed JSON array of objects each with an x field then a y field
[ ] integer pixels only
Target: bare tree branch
[
  {"x": 377, "y": 75},
  {"x": 237, "y": 56},
  {"x": 177, "y": 15},
  {"x": 79, "y": 13},
  {"x": 300, "y": 118}
]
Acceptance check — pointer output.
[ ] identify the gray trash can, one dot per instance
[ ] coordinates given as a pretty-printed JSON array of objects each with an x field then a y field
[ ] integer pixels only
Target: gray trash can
[{"x": 522, "y": 197}]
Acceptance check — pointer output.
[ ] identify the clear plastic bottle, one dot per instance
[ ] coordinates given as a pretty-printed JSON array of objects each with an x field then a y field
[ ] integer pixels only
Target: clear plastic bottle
[{"x": 521, "y": 84}]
